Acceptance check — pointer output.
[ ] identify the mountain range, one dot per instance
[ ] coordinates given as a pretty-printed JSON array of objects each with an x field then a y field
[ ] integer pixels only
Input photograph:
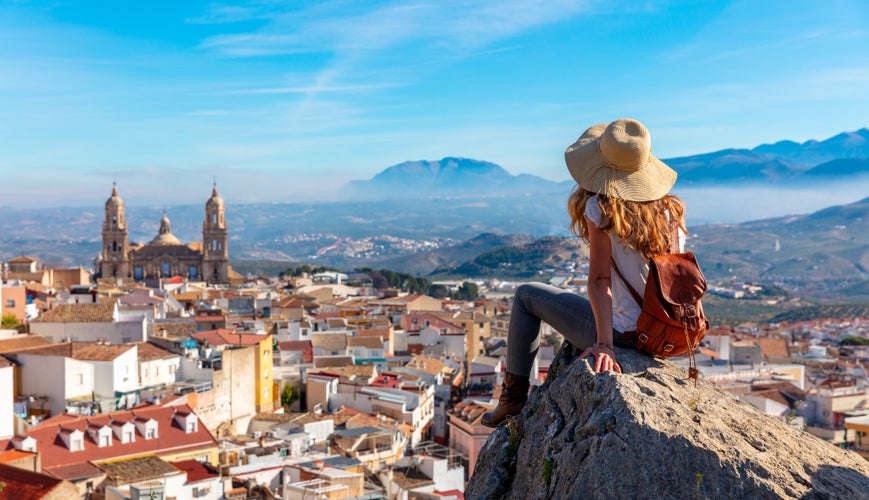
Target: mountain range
[{"x": 787, "y": 162}]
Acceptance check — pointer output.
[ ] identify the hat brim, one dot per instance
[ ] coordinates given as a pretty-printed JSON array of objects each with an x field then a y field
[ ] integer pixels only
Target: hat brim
[{"x": 588, "y": 168}]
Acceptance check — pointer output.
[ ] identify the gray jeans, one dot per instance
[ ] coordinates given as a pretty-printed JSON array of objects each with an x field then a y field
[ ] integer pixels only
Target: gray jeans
[{"x": 567, "y": 312}]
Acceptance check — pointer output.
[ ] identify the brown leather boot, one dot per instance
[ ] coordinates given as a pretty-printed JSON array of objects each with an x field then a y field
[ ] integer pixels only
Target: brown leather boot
[{"x": 514, "y": 394}]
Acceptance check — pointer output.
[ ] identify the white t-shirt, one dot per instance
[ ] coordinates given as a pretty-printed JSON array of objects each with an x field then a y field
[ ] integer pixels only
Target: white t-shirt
[{"x": 633, "y": 265}]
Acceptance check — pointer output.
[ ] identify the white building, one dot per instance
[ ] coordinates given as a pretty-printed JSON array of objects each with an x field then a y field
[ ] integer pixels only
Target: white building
[
  {"x": 92, "y": 376},
  {"x": 157, "y": 366},
  {"x": 90, "y": 323},
  {"x": 7, "y": 389}
]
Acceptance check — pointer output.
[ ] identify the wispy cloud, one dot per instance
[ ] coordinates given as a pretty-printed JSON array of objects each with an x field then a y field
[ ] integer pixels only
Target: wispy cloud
[
  {"x": 313, "y": 89},
  {"x": 344, "y": 27},
  {"x": 225, "y": 14}
]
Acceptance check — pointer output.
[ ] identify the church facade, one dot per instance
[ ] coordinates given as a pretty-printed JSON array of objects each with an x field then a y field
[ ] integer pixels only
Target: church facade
[{"x": 164, "y": 256}]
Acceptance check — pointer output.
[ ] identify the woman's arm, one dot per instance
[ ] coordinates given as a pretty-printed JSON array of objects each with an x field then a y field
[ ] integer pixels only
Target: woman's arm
[{"x": 600, "y": 296}]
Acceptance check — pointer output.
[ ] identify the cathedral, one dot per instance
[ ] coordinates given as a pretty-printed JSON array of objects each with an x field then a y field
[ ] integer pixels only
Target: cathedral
[{"x": 165, "y": 256}]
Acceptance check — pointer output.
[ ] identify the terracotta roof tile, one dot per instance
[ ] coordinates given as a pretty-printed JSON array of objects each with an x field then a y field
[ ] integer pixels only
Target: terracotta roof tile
[
  {"x": 22, "y": 259},
  {"x": 24, "y": 484},
  {"x": 149, "y": 352},
  {"x": 773, "y": 347},
  {"x": 79, "y": 313},
  {"x": 299, "y": 345},
  {"x": 333, "y": 361},
  {"x": 85, "y": 351},
  {"x": 433, "y": 366},
  {"x": 174, "y": 328},
  {"x": 414, "y": 322},
  {"x": 351, "y": 371},
  {"x": 133, "y": 470},
  {"x": 20, "y": 342},
  {"x": 329, "y": 341},
  {"x": 369, "y": 342},
  {"x": 14, "y": 455},
  {"x": 470, "y": 411},
  {"x": 225, "y": 336},
  {"x": 196, "y": 471}
]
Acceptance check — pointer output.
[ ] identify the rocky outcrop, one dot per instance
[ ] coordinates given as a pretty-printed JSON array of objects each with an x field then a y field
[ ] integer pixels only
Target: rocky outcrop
[{"x": 651, "y": 433}]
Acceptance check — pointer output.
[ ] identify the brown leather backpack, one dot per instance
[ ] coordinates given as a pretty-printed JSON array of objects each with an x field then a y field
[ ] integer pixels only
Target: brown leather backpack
[{"x": 672, "y": 321}]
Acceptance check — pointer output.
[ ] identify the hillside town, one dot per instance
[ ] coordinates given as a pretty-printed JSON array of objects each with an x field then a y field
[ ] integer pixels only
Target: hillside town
[{"x": 163, "y": 373}]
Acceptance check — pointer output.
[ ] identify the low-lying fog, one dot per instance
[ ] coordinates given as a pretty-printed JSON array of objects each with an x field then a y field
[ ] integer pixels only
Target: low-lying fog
[{"x": 712, "y": 205}]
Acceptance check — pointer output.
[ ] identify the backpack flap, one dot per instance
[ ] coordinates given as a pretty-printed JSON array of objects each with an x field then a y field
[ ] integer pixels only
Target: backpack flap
[{"x": 680, "y": 280}]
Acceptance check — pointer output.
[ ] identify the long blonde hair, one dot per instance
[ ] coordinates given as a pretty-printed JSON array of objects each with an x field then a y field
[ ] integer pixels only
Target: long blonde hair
[{"x": 642, "y": 225}]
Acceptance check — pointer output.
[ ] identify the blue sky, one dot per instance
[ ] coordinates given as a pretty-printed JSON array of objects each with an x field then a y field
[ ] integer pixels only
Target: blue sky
[{"x": 285, "y": 101}]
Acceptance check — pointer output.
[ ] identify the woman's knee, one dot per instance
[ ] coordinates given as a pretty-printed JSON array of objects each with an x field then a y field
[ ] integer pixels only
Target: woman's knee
[{"x": 523, "y": 291}]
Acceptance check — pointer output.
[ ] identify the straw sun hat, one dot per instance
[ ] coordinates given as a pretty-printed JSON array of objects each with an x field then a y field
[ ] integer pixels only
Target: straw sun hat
[{"x": 616, "y": 160}]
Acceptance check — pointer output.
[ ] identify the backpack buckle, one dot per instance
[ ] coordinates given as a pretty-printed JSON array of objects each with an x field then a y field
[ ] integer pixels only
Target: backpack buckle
[
  {"x": 689, "y": 311},
  {"x": 642, "y": 338}
]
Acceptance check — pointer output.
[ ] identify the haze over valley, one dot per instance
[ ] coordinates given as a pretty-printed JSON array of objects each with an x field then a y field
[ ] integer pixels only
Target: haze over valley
[{"x": 750, "y": 214}]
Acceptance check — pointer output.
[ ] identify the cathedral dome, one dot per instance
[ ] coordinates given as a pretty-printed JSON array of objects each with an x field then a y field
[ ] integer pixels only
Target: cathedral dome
[{"x": 165, "y": 236}]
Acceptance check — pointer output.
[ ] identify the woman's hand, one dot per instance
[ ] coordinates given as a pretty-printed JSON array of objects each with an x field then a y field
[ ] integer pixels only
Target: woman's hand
[{"x": 604, "y": 357}]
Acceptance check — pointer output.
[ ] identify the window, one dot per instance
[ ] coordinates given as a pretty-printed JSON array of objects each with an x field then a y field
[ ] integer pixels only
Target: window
[
  {"x": 150, "y": 434},
  {"x": 79, "y": 378},
  {"x": 10, "y": 302},
  {"x": 76, "y": 444}
]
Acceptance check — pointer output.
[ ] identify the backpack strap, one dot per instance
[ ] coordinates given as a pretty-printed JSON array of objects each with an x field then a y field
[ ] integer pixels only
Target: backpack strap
[
  {"x": 674, "y": 238},
  {"x": 637, "y": 297}
]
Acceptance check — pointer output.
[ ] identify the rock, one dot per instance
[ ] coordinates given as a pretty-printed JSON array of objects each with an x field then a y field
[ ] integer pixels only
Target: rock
[{"x": 651, "y": 433}]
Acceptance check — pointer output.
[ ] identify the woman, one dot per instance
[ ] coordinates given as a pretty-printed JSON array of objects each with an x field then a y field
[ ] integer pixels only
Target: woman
[{"x": 622, "y": 209}]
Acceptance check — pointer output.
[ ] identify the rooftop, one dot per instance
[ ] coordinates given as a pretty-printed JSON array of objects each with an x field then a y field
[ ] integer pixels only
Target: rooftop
[
  {"x": 24, "y": 484},
  {"x": 134, "y": 470},
  {"x": 84, "y": 351},
  {"x": 102, "y": 312},
  {"x": 170, "y": 436}
]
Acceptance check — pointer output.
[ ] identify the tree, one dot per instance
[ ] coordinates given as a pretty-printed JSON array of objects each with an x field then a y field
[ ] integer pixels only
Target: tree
[
  {"x": 9, "y": 321},
  {"x": 289, "y": 395},
  {"x": 468, "y": 291},
  {"x": 438, "y": 291},
  {"x": 854, "y": 340}
]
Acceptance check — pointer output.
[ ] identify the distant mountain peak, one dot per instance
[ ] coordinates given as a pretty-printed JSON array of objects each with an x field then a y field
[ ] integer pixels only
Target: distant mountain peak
[
  {"x": 449, "y": 176},
  {"x": 444, "y": 167}
]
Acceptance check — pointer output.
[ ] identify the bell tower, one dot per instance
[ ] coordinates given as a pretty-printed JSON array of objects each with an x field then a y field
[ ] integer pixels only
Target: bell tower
[
  {"x": 116, "y": 247},
  {"x": 215, "y": 265}
]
